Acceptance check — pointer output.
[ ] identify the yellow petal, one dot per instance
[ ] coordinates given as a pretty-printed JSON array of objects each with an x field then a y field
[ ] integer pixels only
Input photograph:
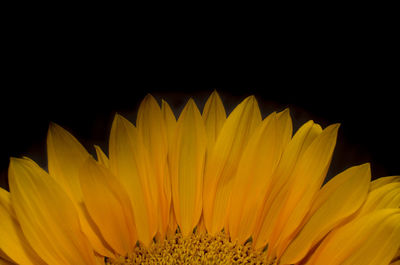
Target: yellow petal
[
  {"x": 6, "y": 261},
  {"x": 285, "y": 126},
  {"x": 383, "y": 181},
  {"x": 396, "y": 259},
  {"x": 130, "y": 166},
  {"x": 172, "y": 225},
  {"x": 170, "y": 124},
  {"x": 306, "y": 180},
  {"x": 338, "y": 199},
  {"x": 223, "y": 162},
  {"x": 47, "y": 216},
  {"x": 101, "y": 157},
  {"x": 373, "y": 239},
  {"x": 214, "y": 116},
  {"x": 65, "y": 157},
  {"x": 169, "y": 119},
  {"x": 187, "y": 167},
  {"x": 386, "y": 196},
  {"x": 254, "y": 175},
  {"x": 12, "y": 241},
  {"x": 153, "y": 132},
  {"x": 109, "y": 207},
  {"x": 274, "y": 198}
]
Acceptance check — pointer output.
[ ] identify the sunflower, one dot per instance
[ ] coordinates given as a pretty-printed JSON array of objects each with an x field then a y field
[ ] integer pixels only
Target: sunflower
[{"x": 203, "y": 189}]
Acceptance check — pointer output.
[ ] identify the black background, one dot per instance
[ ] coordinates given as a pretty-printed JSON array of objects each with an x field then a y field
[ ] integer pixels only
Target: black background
[{"x": 80, "y": 79}]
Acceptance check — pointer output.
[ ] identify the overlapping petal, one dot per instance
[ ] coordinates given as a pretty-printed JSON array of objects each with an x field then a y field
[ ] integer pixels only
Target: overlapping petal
[
  {"x": 205, "y": 173},
  {"x": 223, "y": 162},
  {"x": 47, "y": 216},
  {"x": 129, "y": 163},
  {"x": 187, "y": 168}
]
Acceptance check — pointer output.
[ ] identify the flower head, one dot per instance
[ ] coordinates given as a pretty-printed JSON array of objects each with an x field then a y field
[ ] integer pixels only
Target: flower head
[{"x": 202, "y": 189}]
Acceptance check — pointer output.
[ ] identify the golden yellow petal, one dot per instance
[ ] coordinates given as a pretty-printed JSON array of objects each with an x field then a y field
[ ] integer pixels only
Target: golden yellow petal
[
  {"x": 224, "y": 160},
  {"x": 108, "y": 206},
  {"x": 6, "y": 262},
  {"x": 373, "y": 239},
  {"x": 172, "y": 225},
  {"x": 338, "y": 199},
  {"x": 47, "y": 215},
  {"x": 187, "y": 167},
  {"x": 383, "y": 181},
  {"x": 214, "y": 116},
  {"x": 169, "y": 119},
  {"x": 12, "y": 240},
  {"x": 130, "y": 166},
  {"x": 152, "y": 131},
  {"x": 101, "y": 157},
  {"x": 285, "y": 126},
  {"x": 386, "y": 196},
  {"x": 396, "y": 259},
  {"x": 254, "y": 175},
  {"x": 65, "y": 157},
  {"x": 274, "y": 198},
  {"x": 305, "y": 182}
]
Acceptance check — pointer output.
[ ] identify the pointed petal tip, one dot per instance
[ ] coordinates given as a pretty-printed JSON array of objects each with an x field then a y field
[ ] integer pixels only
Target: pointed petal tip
[
  {"x": 17, "y": 161},
  {"x": 336, "y": 126},
  {"x": 118, "y": 117},
  {"x": 214, "y": 93},
  {"x": 366, "y": 166},
  {"x": 191, "y": 103},
  {"x": 251, "y": 98},
  {"x": 286, "y": 111},
  {"x": 333, "y": 128},
  {"x": 54, "y": 127},
  {"x": 149, "y": 97}
]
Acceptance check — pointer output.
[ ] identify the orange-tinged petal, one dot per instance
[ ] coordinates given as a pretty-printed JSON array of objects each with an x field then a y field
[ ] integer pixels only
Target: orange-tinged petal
[
  {"x": 214, "y": 116},
  {"x": 169, "y": 119},
  {"x": 65, "y": 157},
  {"x": 187, "y": 167},
  {"x": 101, "y": 157},
  {"x": 396, "y": 257},
  {"x": 172, "y": 225},
  {"x": 130, "y": 166},
  {"x": 386, "y": 196},
  {"x": 170, "y": 124},
  {"x": 47, "y": 216},
  {"x": 306, "y": 180},
  {"x": 338, "y": 199},
  {"x": 6, "y": 262},
  {"x": 274, "y": 198},
  {"x": 223, "y": 162},
  {"x": 285, "y": 126},
  {"x": 253, "y": 179},
  {"x": 373, "y": 239},
  {"x": 153, "y": 132},
  {"x": 12, "y": 240},
  {"x": 109, "y": 207},
  {"x": 383, "y": 181}
]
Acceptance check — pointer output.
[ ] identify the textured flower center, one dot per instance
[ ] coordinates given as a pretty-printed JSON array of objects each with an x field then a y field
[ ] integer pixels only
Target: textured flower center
[{"x": 196, "y": 249}]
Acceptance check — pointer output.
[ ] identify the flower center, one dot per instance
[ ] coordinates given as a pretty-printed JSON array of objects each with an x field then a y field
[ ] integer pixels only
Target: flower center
[{"x": 199, "y": 248}]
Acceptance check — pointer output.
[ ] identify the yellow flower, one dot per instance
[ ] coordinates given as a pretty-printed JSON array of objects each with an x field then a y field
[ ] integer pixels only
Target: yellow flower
[{"x": 203, "y": 189}]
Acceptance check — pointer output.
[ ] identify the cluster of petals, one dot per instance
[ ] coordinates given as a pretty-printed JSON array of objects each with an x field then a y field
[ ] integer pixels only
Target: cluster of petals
[{"x": 205, "y": 171}]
